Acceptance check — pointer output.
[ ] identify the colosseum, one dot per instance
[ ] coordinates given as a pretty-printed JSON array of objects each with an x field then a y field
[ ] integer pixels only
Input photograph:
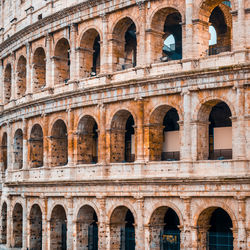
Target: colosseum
[{"x": 125, "y": 124}]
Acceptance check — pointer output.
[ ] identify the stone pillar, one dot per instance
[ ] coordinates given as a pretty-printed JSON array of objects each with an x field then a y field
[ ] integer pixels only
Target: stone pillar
[
  {"x": 25, "y": 227},
  {"x": 146, "y": 132},
  {"x": 2, "y": 84},
  {"x": 10, "y": 147},
  {"x": 141, "y": 35},
  {"x": 201, "y": 38},
  {"x": 44, "y": 224},
  {"x": 73, "y": 54},
  {"x": 238, "y": 26},
  {"x": 186, "y": 231},
  {"x": 104, "y": 46},
  {"x": 139, "y": 229},
  {"x": 70, "y": 137},
  {"x": 139, "y": 133},
  {"x": 102, "y": 231},
  {"x": 194, "y": 237},
  {"x": 70, "y": 238},
  {"x": 187, "y": 32},
  {"x": 49, "y": 64},
  {"x": 102, "y": 135},
  {"x": 25, "y": 144},
  {"x": 238, "y": 126},
  {"x": 46, "y": 160},
  {"x": 147, "y": 237},
  {"x": 28, "y": 70},
  {"x": 242, "y": 234},
  {"x": 185, "y": 150},
  {"x": 9, "y": 223}
]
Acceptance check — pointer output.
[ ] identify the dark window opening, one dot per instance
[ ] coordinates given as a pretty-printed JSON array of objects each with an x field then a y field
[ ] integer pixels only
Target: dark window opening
[
  {"x": 129, "y": 140},
  {"x": 96, "y": 57}
]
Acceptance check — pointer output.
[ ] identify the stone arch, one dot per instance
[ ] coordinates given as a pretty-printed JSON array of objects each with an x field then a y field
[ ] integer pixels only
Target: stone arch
[
  {"x": 168, "y": 204},
  {"x": 122, "y": 223},
  {"x": 4, "y": 223},
  {"x": 17, "y": 225},
  {"x": 87, "y": 140},
  {"x": 62, "y": 61},
  {"x": 164, "y": 137},
  {"x": 124, "y": 44},
  {"x": 166, "y": 22},
  {"x": 36, "y": 146},
  {"x": 164, "y": 224},
  {"x": 58, "y": 226},
  {"x": 21, "y": 76},
  {"x": 90, "y": 53},
  {"x": 18, "y": 149},
  {"x": 87, "y": 228},
  {"x": 59, "y": 144},
  {"x": 122, "y": 140},
  {"x": 7, "y": 83},
  {"x": 4, "y": 151},
  {"x": 35, "y": 220},
  {"x": 213, "y": 118},
  {"x": 209, "y": 222},
  {"x": 39, "y": 69}
]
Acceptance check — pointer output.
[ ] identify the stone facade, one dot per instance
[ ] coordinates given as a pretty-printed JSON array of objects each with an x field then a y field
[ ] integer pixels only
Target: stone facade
[{"x": 110, "y": 138}]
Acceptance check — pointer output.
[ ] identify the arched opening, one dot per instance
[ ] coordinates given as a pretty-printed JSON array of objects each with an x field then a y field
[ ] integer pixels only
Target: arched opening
[
  {"x": 89, "y": 53},
  {"x": 87, "y": 228},
  {"x": 59, "y": 144},
  {"x": 166, "y": 35},
  {"x": 87, "y": 141},
  {"x": 58, "y": 228},
  {"x": 124, "y": 45},
  {"x": 17, "y": 226},
  {"x": 62, "y": 61},
  {"x": 164, "y": 138},
  {"x": 122, "y": 137},
  {"x": 35, "y": 228},
  {"x": 39, "y": 69},
  {"x": 21, "y": 77},
  {"x": 4, "y": 152},
  {"x": 164, "y": 229},
  {"x": 7, "y": 83},
  {"x": 18, "y": 149},
  {"x": 4, "y": 224},
  {"x": 214, "y": 131},
  {"x": 221, "y": 23},
  {"x": 36, "y": 146},
  {"x": 215, "y": 229},
  {"x": 122, "y": 229}
]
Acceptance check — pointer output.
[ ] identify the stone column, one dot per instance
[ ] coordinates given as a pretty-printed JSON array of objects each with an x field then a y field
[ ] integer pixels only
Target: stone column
[
  {"x": 102, "y": 231},
  {"x": 2, "y": 84},
  {"x": 74, "y": 71},
  {"x": 9, "y": 223},
  {"x": 147, "y": 237},
  {"x": 28, "y": 70},
  {"x": 74, "y": 232},
  {"x": 139, "y": 229},
  {"x": 242, "y": 234},
  {"x": 25, "y": 229},
  {"x": 102, "y": 135},
  {"x": 201, "y": 38},
  {"x": 139, "y": 142},
  {"x": 104, "y": 46},
  {"x": 25, "y": 145},
  {"x": 238, "y": 126},
  {"x": 186, "y": 231},
  {"x": 185, "y": 150},
  {"x": 70, "y": 137},
  {"x": 69, "y": 223},
  {"x": 44, "y": 224},
  {"x": 49, "y": 64},
  {"x": 194, "y": 237},
  {"x": 187, "y": 32},
  {"x": 9, "y": 147},
  {"x": 46, "y": 161},
  {"x": 141, "y": 34}
]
